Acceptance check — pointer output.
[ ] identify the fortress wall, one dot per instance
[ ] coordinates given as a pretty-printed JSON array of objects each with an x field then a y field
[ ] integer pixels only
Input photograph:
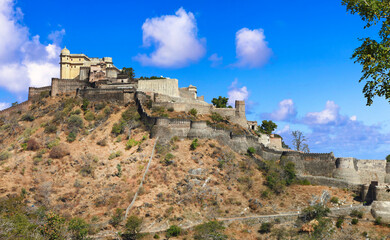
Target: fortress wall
[
  {"x": 360, "y": 171},
  {"x": 275, "y": 142},
  {"x": 168, "y": 87},
  {"x": 332, "y": 182},
  {"x": 34, "y": 93},
  {"x": 66, "y": 86},
  {"x": 21, "y": 107},
  {"x": 98, "y": 94},
  {"x": 315, "y": 164}
]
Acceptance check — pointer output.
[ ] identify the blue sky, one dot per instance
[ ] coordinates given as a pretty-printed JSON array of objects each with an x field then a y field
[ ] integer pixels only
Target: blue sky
[{"x": 289, "y": 60}]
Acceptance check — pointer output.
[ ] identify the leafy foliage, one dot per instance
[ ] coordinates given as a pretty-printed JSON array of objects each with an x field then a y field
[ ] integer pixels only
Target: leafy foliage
[
  {"x": 277, "y": 176},
  {"x": 193, "y": 112},
  {"x": 251, "y": 151},
  {"x": 173, "y": 231},
  {"x": 132, "y": 228},
  {"x": 267, "y": 127},
  {"x": 314, "y": 212},
  {"x": 373, "y": 54},
  {"x": 116, "y": 218},
  {"x": 216, "y": 117},
  {"x": 129, "y": 72},
  {"x": 79, "y": 228},
  {"x": 211, "y": 230},
  {"x": 265, "y": 228},
  {"x": 28, "y": 117},
  {"x": 388, "y": 158},
  {"x": 194, "y": 144},
  {"x": 220, "y": 102}
]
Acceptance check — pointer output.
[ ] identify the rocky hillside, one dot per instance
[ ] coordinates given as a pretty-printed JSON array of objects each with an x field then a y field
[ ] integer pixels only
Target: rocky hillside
[{"x": 70, "y": 169}]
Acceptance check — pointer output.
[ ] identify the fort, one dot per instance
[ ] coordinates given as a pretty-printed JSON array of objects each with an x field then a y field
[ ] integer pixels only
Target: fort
[{"x": 97, "y": 79}]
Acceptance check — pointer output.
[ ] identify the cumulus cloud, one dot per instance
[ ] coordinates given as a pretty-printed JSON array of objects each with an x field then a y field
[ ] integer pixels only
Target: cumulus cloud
[
  {"x": 329, "y": 115},
  {"x": 175, "y": 38},
  {"x": 4, "y": 105},
  {"x": 284, "y": 130},
  {"x": 251, "y": 48},
  {"x": 23, "y": 61},
  {"x": 237, "y": 93},
  {"x": 286, "y": 111},
  {"x": 215, "y": 60}
]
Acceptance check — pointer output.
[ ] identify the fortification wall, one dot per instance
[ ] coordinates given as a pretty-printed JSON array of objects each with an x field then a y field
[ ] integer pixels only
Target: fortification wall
[
  {"x": 34, "y": 93},
  {"x": 316, "y": 164},
  {"x": 360, "y": 171},
  {"x": 66, "y": 86},
  {"x": 168, "y": 87},
  {"x": 21, "y": 107},
  {"x": 98, "y": 94}
]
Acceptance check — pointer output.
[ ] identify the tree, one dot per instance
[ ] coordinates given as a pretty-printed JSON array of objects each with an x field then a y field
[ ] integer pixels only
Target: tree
[
  {"x": 267, "y": 127},
  {"x": 129, "y": 72},
  {"x": 220, "y": 102},
  {"x": 373, "y": 54},
  {"x": 299, "y": 141},
  {"x": 388, "y": 158},
  {"x": 132, "y": 228}
]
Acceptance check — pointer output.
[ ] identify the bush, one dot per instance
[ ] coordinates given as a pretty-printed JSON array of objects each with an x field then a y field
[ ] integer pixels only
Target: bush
[
  {"x": 79, "y": 228},
  {"x": 28, "y": 117},
  {"x": 334, "y": 200},
  {"x": 115, "y": 155},
  {"x": 85, "y": 104},
  {"x": 58, "y": 152},
  {"x": 118, "y": 128},
  {"x": 304, "y": 182},
  {"x": 116, "y": 218},
  {"x": 378, "y": 221},
  {"x": 171, "y": 109},
  {"x": 71, "y": 137},
  {"x": 132, "y": 228},
  {"x": 194, "y": 144},
  {"x": 388, "y": 158},
  {"x": 4, "y": 155},
  {"x": 50, "y": 128},
  {"x": 355, "y": 221},
  {"x": 75, "y": 122},
  {"x": 89, "y": 116},
  {"x": 131, "y": 143},
  {"x": 340, "y": 221},
  {"x": 314, "y": 212},
  {"x": 100, "y": 106},
  {"x": 130, "y": 114},
  {"x": 173, "y": 231},
  {"x": 216, "y": 117},
  {"x": 265, "y": 228},
  {"x": 356, "y": 213},
  {"x": 102, "y": 142},
  {"x": 32, "y": 145},
  {"x": 159, "y": 110},
  {"x": 251, "y": 151},
  {"x": 193, "y": 112},
  {"x": 210, "y": 231},
  {"x": 54, "y": 226}
]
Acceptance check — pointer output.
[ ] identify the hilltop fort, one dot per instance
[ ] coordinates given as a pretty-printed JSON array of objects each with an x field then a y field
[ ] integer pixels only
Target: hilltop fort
[{"x": 97, "y": 79}]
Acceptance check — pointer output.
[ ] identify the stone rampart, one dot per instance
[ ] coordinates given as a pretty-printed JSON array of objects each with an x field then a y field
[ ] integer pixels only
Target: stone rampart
[
  {"x": 316, "y": 164},
  {"x": 168, "y": 87},
  {"x": 34, "y": 93},
  {"x": 21, "y": 107},
  {"x": 66, "y": 86},
  {"x": 98, "y": 94}
]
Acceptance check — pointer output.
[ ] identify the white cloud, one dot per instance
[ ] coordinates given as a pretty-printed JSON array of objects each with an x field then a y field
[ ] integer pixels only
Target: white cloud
[
  {"x": 237, "y": 93},
  {"x": 251, "y": 48},
  {"x": 24, "y": 62},
  {"x": 286, "y": 111},
  {"x": 215, "y": 60},
  {"x": 353, "y": 118},
  {"x": 4, "y": 105},
  {"x": 328, "y": 115},
  {"x": 175, "y": 39},
  {"x": 285, "y": 130}
]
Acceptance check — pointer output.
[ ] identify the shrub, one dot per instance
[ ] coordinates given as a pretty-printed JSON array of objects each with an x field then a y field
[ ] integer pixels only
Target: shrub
[
  {"x": 100, "y": 106},
  {"x": 130, "y": 114},
  {"x": 115, "y": 155},
  {"x": 210, "y": 231},
  {"x": 251, "y": 151},
  {"x": 54, "y": 226},
  {"x": 378, "y": 221},
  {"x": 131, "y": 143},
  {"x": 119, "y": 170},
  {"x": 116, "y": 218},
  {"x": 314, "y": 212},
  {"x": 76, "y": 112},
  {"x": 304, "y": 182},
  {"x": 89, "y": 116},
  {"x": 356, "y": 213},
  {"x": 32, "y": 145},
  {"x": 75, "y": 122},
  {"x": 85, "y": 104},
  {"x": 173, "y": 231},
  {"x": 216, "y": 117},
  {"x": 132, "y": 228},
  {"x": 4, "y": 155},
  {"x": 50, "y": 128},
  {"x": 156, "y": 236},
  {"x": 44, "y": 94},
  {"x": 58, "y": 152},
  {"x": 171, "y": 109},
  {"x": 334, "y": 200},
  {"x": 79, "y": 228},
  {"x": 193, "y": 112},
  {"x": 265, "y": 228},
  {"x": 388, "y": 158},
  {"x": 71, "y": 137},
  {"x": 194, "y": 144},
  {"x": 355, "y": 221},
  {"x": 118, "y": 128},
  {"x": 158, "y": 109},
  {"x": 28, "y": 117},
  {"x": 168, "y": 159},
  {"x": 340, "y": 221},
  {"x": 107, "y": 111},
  {"x": 102, "y": 142}
]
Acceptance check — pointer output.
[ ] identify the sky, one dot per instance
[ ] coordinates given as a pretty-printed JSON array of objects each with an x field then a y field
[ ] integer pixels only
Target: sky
[{"x": 289, "y": 60}]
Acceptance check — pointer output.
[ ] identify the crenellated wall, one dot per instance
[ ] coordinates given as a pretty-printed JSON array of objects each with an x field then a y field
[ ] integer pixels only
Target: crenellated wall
[
  {"x": 316, "y": 164},
  {"x": 102, "y": 94},
  {"x": 34, "y": 93},
  {"x": 66, "y": 86}
]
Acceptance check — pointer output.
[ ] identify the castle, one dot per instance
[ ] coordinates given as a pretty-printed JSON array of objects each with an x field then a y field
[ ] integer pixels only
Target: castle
[{"x": 97, "y": 79}]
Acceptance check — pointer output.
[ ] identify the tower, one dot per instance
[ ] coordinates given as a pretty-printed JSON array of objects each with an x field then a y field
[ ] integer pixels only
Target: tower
[{"x": 65, "y": 64}]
